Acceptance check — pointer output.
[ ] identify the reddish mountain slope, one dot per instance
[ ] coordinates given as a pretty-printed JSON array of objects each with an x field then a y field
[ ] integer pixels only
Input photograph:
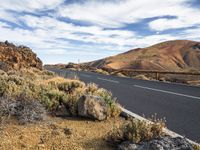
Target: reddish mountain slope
[{"x": 171, "y": 55}]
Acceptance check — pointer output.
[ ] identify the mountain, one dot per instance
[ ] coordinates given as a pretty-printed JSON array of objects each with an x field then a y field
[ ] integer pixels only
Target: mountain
[
  {"x": 17, "y": 57},
  {"x": 171, "y": 55}
]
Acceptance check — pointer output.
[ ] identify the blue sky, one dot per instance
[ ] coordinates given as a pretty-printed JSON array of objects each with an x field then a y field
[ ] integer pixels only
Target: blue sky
[{"x": 62, "y": 31}]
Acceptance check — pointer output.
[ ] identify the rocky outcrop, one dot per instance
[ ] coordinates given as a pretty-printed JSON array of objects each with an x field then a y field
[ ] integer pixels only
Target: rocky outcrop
[
  {"x": 92, "y": 107},
  {"x": 163, "y": 143},
  {"x": 17, "y": 57}
]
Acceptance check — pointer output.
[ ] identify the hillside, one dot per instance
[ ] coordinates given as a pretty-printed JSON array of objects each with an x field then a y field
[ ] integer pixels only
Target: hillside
[
  {"x": 171, "y": 55},
  {"x": 16, "y": 57}
]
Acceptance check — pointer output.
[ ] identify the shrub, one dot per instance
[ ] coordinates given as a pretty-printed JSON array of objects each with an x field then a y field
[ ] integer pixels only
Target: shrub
[
  {"x": 17, "y": 79},
  {"x": 114, "y": 107},
  {"x": 3, "y": 73},
  {"x": 91, "y": 88},
  {"x": 101, "y": 71},
  {"x": 196, "y": 147},
  {"x": 72, "y": 104},
  {"x": 70, "y": 86},
  {"x": 53, "y": 98},
  {"x": 52, "y": 91},
  {"x": 136, "y": 131},
  {"x": 26, "y": 110},
  {"x": 7, "y": 108},
  {"x": 141, "y": 77},
  {"x": 29, "y": 110}
]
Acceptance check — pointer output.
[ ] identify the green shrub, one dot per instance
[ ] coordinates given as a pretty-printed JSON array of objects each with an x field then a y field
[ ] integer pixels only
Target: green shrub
[
  {"x": 91, "y": 88},
  {"x": 70, "y": 87},
  {"x": 53, "y": 98},
  {"x": 72, "y": 104},
  {"x": 107, "y": 96}
]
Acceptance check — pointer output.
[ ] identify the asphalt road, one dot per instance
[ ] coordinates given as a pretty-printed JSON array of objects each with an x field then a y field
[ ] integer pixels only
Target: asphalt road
[{"x": 179, "y": 104}]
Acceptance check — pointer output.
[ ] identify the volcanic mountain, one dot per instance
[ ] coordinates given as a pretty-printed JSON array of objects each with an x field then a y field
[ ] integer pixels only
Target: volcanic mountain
[{"x": 177, "y": 55}]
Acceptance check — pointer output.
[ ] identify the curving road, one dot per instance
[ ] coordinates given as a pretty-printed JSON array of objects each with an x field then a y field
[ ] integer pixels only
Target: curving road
[{"x": 179, "y": 104}]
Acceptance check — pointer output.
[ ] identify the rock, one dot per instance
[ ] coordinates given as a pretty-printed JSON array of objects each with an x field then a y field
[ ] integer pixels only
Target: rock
[
  {"x": 17, "y": 57},
  {"x": 167, "y": 142},
  {"x": 163, "y": 143},
  {"x": 92, "y": 107}
]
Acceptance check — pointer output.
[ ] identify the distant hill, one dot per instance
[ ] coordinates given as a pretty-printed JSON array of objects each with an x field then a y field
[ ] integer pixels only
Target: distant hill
[
  {"x": 174, "y": 55},
  {"x": 16, "y": 57}
]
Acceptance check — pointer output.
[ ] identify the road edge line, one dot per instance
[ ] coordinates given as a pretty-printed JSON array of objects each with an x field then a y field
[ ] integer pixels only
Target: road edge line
[{"x": 165, "y": 130}]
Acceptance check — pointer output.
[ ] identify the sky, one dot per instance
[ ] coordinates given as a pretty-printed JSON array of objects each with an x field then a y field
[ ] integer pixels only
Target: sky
[{"x": 62, "y": 31}]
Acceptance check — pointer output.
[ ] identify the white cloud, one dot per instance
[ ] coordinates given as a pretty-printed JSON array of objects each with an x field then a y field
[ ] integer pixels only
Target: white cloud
[
  {"x": 48, "y": 35},
  {"x": 48, "y": 27},
  {"x": 117, "y": 14},
  {"x": 30, "y": 5},
  {"x": 186, "y": 17}
]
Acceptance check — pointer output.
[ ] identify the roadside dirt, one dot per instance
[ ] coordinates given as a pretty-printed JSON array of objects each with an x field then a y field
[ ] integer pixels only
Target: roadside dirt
[{"x": 57, "y": 133}]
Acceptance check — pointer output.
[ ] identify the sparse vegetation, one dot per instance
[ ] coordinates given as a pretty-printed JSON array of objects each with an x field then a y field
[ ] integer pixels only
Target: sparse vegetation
[
  {"x": 136, "y": 131},
  {"x": 141, "y": 77},
  {"x": 196, "y": 147},
  {"x": 101, "y": 71},
  {"x": 52, "y": 91}
]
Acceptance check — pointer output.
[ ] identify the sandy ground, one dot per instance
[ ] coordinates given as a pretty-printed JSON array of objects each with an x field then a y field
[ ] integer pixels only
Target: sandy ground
[{"x": 57, "y": 133}]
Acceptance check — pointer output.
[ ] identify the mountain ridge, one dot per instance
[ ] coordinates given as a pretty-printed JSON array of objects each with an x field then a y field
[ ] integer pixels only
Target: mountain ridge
[{"x": 176, "y": 55}]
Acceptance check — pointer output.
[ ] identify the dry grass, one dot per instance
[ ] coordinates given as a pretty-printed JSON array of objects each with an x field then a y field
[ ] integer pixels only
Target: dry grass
[
  {"x": 57, "y": 133},
  {"x": 101, "y": 71},
  {"x": 136, "y": 131},
  {"x": 196, "y": 147},
  {"x": 141, "y": 77}
]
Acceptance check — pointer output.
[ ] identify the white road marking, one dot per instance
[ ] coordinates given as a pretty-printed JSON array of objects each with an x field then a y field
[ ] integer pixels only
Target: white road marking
[
  {"x": 169, "y": 92},
  {"x": 113, "y": 81},
  {"x": 85, "y": 75}
]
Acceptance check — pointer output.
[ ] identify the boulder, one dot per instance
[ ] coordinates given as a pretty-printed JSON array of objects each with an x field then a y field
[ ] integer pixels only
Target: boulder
[
  {"x": 92, "y": 107},
  {"x": 163, "y": 143}
]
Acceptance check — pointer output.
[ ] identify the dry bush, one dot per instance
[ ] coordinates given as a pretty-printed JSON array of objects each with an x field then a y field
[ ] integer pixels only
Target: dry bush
[
  {"x": 91, "y": 88},
  {"x": 7, "y": 108},
  {"x": 196, "y": 147},
  {"x": 3, "y": 73},
  {"x": 136, "y": 131},
  {"x": 26, "y": 110},
  {"x": 141, "y": 77},
  {"x": 101, "y": 71},
  {"x": 29, "y": 110}
]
